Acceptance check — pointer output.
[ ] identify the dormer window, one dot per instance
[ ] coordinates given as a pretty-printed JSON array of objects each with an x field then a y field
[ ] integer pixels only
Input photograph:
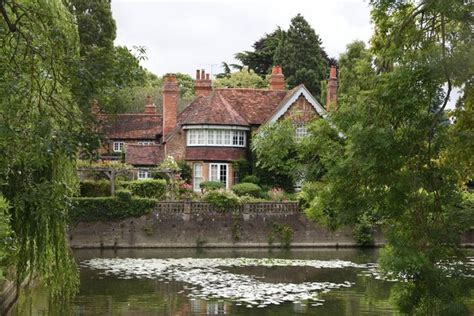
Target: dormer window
[{"x": 118, "y": 147}]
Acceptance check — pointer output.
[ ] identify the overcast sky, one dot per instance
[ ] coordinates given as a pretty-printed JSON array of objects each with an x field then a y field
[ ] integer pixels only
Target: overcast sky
[{"x": 182, "y": 36}]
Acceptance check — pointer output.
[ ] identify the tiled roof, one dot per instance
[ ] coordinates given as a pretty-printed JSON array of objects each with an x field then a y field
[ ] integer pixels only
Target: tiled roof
[
  {"x": 132, "y": 126},
  {"x": 233, "y": 107},
  {"x": 144, "y": 155}
]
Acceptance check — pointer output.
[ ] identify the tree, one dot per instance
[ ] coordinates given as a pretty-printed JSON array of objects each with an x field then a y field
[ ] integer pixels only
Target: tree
[
  {"x": 244, "y": 78},
  {"x": 40, "y": 132},
  {"x": 300, "y": 55},
  {"x": 386, "y": 151},
  {"x": 260, "y": 60},
  {"x": 355, "y": 68}
]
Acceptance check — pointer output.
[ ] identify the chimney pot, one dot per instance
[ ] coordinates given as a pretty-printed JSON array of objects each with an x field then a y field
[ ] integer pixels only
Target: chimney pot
[
  {"x": 198, "y": 74},
  {"x": 208, "y": 77},
  {"x": 203, "y": 74},
  {"x": 333, "y": 73},
  {"x": 203, "y": 84}
]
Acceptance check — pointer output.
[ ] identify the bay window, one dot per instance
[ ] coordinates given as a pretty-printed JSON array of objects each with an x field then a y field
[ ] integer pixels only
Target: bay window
[{"x": 216, "y": 137}]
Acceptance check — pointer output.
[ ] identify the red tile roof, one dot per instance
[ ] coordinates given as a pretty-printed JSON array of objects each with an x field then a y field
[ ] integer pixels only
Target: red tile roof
[
  {"x": 144, "y": 155},
  {"x": 132, "y": 126}
]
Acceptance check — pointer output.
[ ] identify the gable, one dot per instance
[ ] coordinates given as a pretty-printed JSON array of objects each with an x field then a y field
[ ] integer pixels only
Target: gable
[{"x": 299, "y": 102}]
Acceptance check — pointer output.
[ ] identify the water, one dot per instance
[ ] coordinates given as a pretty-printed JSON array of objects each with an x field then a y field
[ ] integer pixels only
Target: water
[{"x": 214, "y": 282}]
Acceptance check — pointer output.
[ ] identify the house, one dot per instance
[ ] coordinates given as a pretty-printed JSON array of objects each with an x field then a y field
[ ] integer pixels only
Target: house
[{"x": 214, "y": 130}]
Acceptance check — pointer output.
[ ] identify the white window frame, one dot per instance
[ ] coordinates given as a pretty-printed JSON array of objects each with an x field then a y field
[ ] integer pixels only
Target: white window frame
[
  {"x": 144, "y": 174},
  {"x": 301, "y": 132},
  {"x": 219, "y": 169},
  {"x": 197, "y": 180},
  {"x": 118, "y": 146},
  {"x": 216, "y": 137}
]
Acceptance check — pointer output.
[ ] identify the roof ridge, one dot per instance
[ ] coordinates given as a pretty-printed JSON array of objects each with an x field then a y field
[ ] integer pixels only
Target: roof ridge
[{"x": 231, "y": 109}]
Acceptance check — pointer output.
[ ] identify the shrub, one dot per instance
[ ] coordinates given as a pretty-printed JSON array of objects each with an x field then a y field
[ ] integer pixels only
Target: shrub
[
  {"x": 5, "y": 234},
  {"x": 223, "y": 200},
  {"x": 247, "y": 189},
  {"x": 308, "y": 193},
  {"x": 186, "y": 171},
  {"x": 153, "y": 188},
  {"x": 251, "y": 179},
  {"x": 93, "y": 188},
  {"x": 251, "y": 199},
  {"x": 91, "y": 209},
  {"x": 124, "y": 195},
  {"x": 211, "y": 185},
  {"x": 283, "y": 232},
  {"x": 363, "y": 231},
  {"x": 276, "y": 194}
]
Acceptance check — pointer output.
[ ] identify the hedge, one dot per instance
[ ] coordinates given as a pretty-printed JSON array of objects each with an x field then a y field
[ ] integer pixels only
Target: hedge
[
  {"x": 247, "y": 189},
  {"x": 211, "y": 185},
  {"x": 95, "y": 188},
  {"x": 90, "y": 209},
  {"x": 155, "y": 188},
  {"x": 223, "y": 200}
]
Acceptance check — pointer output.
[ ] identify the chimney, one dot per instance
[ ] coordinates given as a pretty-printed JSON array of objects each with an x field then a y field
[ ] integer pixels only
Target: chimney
[
  {"x": 202, "y": 84},
  {"x": 277, "y": 79},
  {"x": 170, "y": 103},
  {"x": 150, "y": 108},
  {"x": 331, "y": 95}
]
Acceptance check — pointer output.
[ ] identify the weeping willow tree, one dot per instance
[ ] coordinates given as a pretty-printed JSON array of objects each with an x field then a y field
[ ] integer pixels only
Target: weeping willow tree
[{"x": 40, "y": 131}]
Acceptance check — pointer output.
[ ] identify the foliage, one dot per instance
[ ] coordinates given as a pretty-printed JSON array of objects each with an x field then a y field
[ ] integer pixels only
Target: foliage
[
  {"x": 186, "y": 171},
  {"x": 251, "y": 199},
  {"x": 211, "y": 185},
  {"x": 91, "y": 188},
  {"x": 222, "y": 199},
  {"x": 283, "y": 232},
  {"x": 247, "y": 189},
  {"x": 391, "y": 156},
  {"x": 170, "y": 164},
  {"x": 40, "y": 133},
  {"x": 300, "y": 55},
  {"x": 93, "y": 209},
  {"x": 5, "y": 235},
  {"x": 242, "y": 167},
  {"x": 124, "y": 195},
  {"x": 251, "y": 179},
  {"x": 260, "y": 59},
  {"x": 244, "y": 78},
  {"x": 308, "y": 193},
  {"x": 355, "y": 67},
  {"x": 155, "y": 188},
  {"x": 363, "y": 231}
]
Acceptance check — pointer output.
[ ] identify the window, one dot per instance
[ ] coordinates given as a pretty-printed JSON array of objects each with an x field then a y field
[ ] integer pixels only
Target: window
[
  {"x": 300, "y": 132},
  {"x": 118, "y": 147},
  {"x": 218, "y": 172},
  {"x": 144, "y": 174},
  {"x": 197, "y": 176},
  {"x": 146, "y": 142},
  {"x": 216, "y": 137}
]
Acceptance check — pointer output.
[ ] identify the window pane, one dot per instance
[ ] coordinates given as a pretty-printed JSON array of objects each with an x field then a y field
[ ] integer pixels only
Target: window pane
[
  {"x": 201, "y": 137},
  {"x": 192, "y": 137},
  {"x": 235, "y": 138},
  {"x": 197, "y": 176},
  {"x": 210, "y": 137},
  {"x": 223, "y": 174},
  {"x": 214, "y": 172},
  {"x": 241, "y": 138},
  {"x": 218, "y": 137},
  {"x": 227, "y": 138}
]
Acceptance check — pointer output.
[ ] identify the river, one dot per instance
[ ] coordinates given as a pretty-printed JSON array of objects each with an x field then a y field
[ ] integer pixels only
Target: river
[{"x": 222, "y": 281}]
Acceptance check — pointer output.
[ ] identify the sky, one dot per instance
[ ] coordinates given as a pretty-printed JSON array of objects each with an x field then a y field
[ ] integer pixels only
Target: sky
[{"x": 182, "y": 36}]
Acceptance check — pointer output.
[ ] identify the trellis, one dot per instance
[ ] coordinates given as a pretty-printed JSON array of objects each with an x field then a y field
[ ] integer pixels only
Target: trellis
[{"x": 111, "y": 173}]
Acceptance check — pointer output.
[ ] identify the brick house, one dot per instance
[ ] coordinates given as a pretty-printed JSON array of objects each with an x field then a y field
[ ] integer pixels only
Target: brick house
[{"x": 214, "y": 130}]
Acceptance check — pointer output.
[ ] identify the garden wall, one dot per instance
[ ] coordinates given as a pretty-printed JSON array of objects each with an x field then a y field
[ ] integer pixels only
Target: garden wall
[{"x": 199, "y": 224}]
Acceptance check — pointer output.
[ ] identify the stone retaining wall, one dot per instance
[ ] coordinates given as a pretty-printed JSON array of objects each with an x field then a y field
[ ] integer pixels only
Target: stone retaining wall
[{"x": 200, "y": 225}]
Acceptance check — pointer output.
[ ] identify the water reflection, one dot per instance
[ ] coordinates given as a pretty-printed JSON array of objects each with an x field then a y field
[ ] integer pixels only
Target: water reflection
[{"x": 109, "y": 295}]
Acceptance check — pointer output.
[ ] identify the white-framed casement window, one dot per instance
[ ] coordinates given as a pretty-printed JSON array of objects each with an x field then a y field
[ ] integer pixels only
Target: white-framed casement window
[
  {"x": 118, "y": 147},
  {"x": 146, "y": 142},
  {"x": 219, "y": 172},
  {"x": 197, "y": 177},
  {"x": 144, "y": 174},
  {"x": 216, "y": 137},
  {"x": 301, "y": 132}
]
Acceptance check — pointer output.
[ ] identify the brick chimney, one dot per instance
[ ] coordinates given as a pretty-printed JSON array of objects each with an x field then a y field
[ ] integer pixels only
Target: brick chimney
[
  {"x": 150, "y": 108},
  {"x": 331, "y": 95},
  {"x": 277, "y": 79},
  {"x": 170, "y": 103},
  {"x": 202, "y": 84}
]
